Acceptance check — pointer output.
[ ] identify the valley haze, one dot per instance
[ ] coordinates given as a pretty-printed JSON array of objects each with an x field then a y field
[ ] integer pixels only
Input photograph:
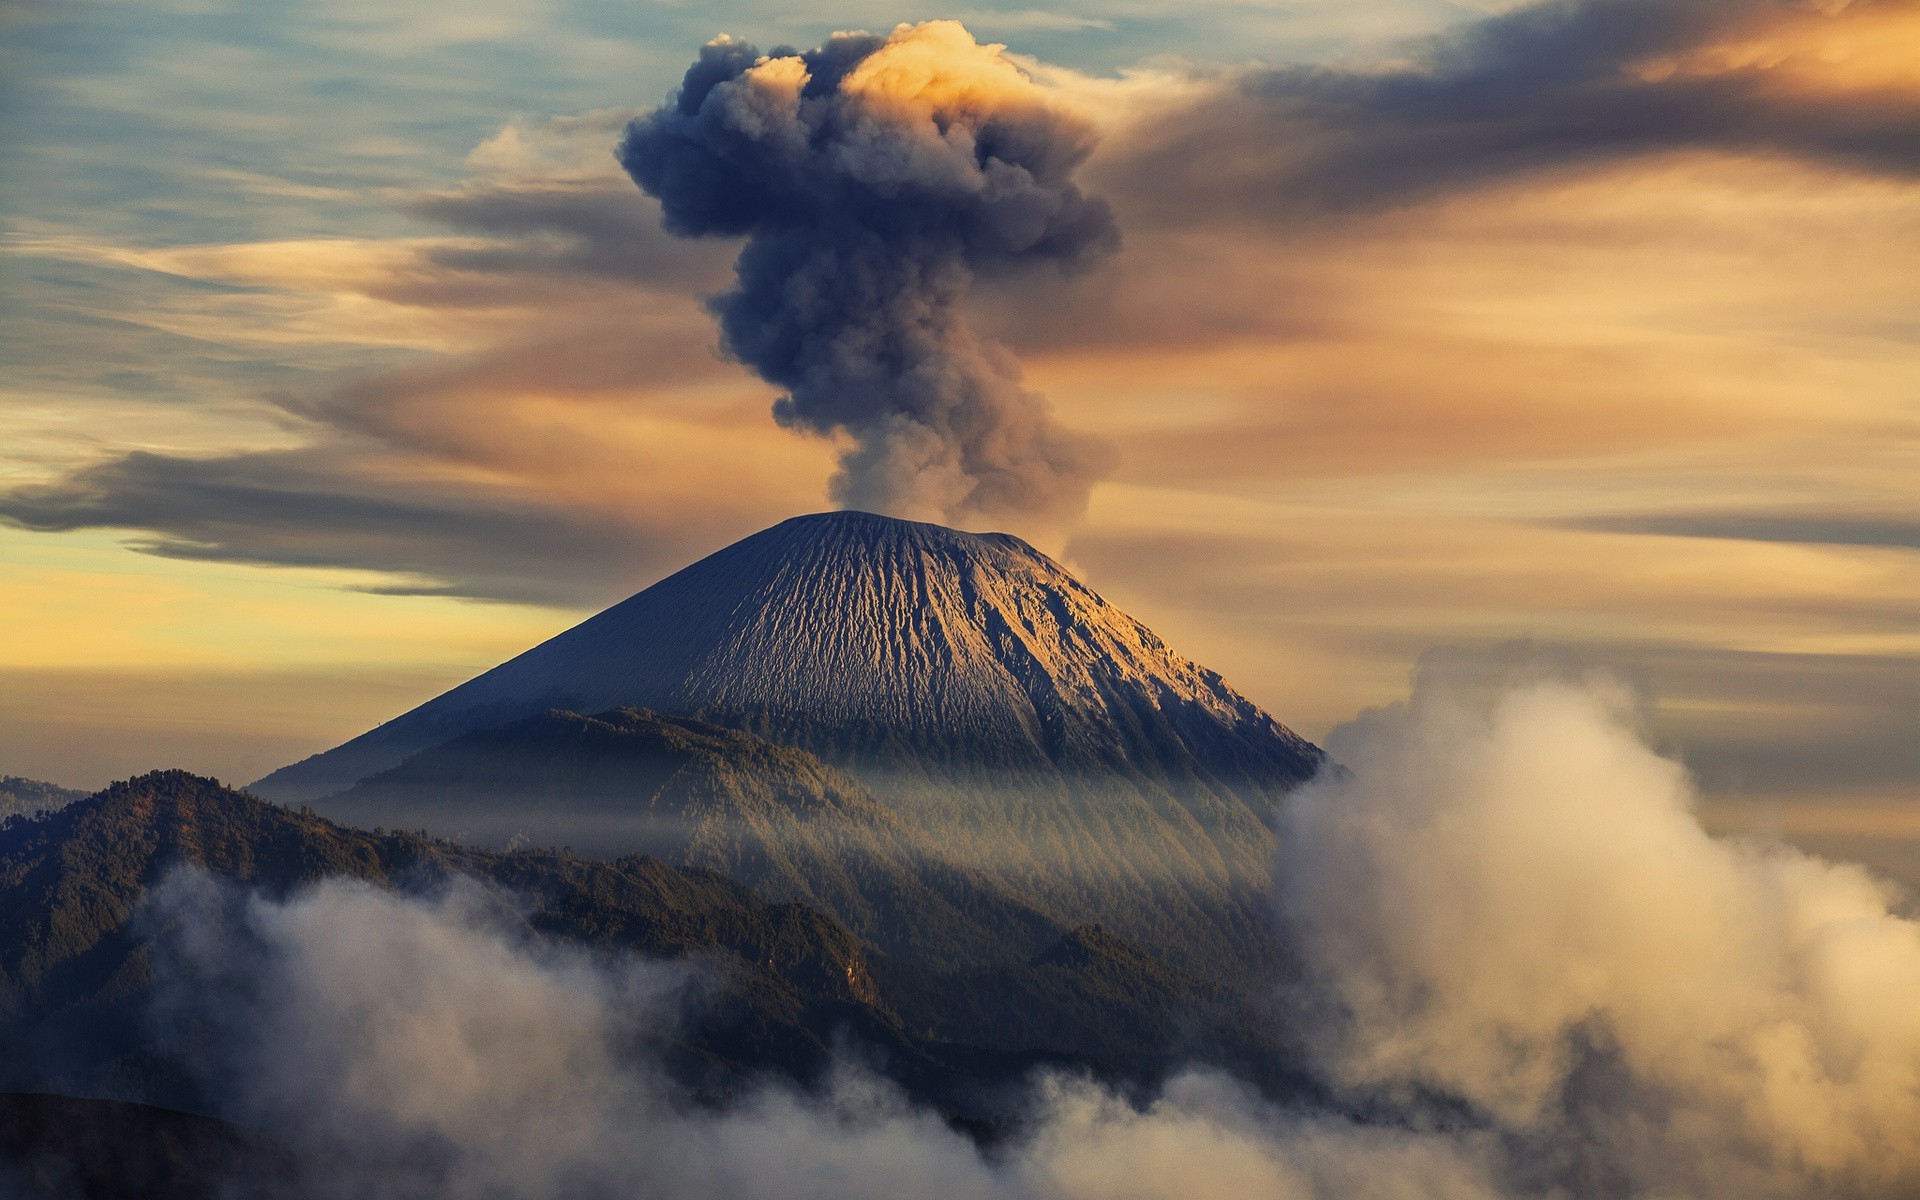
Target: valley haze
[{"x": 1507, "y": 406}]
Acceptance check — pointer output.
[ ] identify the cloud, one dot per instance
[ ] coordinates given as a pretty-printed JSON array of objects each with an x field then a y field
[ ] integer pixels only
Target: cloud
[
  {"x": 1549, "y": 87},
  {"x": 1518, "y": 954},
  {"x": 563, "y": 230},
  {"x": 1830, "y": 529},
  {"x": 1506, "y": 898},
  {"x": 1338, "y": 436},
  {"x": 559, "y": 431},
  {"x": 308, "y": 509},
  {"x": 558, "y": 366},
  {"x": 554, "y": 204},
  {"x": 428, "y": 1046},
  {"x": 873, "y": 179},
  {"x": 1032, "y": 19}
]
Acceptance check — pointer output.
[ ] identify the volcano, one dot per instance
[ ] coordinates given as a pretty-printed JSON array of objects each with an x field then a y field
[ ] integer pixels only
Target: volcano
[
  {"x": 875, "y": 641},
  {"x": 995, "y": 704}
]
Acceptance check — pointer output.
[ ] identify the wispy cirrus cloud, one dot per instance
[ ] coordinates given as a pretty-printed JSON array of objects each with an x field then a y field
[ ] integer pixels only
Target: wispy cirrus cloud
[
  {"x": 1024, "y": 20},
  {"x": 320, "y": 509},
  {"x": 1816, "y": 528},
  {"x": 1550, "y": 87}
]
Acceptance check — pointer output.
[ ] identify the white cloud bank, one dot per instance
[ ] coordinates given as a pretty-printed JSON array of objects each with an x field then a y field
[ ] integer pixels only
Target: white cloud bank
[
  {"x": 1519, "y": 952},
  {"x": 1510, "y": 900}
]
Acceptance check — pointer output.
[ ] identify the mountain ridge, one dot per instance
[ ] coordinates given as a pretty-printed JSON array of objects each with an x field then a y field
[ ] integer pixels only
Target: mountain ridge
[
  {"x": 74, "y": 963},
  {"x": 24, "y": 797},
  {"x": 76, "y": 958}
]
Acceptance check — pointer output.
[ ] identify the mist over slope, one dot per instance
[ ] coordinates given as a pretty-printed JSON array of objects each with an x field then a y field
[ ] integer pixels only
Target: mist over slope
[
  {"x": 75, "y": 945},
  {"x": 699, "y": 795},
  {"x": 1526, "y": 972},
  {"x": 92, "y": 897},
  {"x": 24, "y": 797},
  {"x": 1509, "y": 899},
  {"x": 996, "y": 705}
]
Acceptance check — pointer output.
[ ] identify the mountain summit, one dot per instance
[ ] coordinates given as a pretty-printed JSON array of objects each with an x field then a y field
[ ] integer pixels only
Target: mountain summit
[
  {"x": 1011, "y": 723},
  {"x": 868, "y": 639}
]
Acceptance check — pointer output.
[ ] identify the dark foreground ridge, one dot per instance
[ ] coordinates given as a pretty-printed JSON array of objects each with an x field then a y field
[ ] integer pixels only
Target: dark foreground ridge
[
  {"x": 75, "y": 963},
  {"x": 700, "y": 795},
  {"x": 67, "y": 1148},
  {"x": 793, "y": 988}
]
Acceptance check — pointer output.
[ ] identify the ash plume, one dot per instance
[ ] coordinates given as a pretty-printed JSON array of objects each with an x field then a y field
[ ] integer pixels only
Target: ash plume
[{"x": 874, "y": 178}]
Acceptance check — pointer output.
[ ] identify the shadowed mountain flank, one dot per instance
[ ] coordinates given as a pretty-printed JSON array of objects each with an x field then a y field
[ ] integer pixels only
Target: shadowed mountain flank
[
  {"x": 75, "y": 959},
  {"x": 993, "y": 702},
  {"x": 783, "y": 988},
  {"x": 65, "y": 1148},
  {"x": 703, "y": 796}
]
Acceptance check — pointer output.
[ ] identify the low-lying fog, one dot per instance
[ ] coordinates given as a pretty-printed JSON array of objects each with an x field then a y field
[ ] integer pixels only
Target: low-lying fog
[{"x": 1523, "y": 959}]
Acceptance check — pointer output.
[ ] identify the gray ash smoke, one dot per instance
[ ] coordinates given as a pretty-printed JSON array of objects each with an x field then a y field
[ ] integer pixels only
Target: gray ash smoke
[{"x": 874, "y": 179}]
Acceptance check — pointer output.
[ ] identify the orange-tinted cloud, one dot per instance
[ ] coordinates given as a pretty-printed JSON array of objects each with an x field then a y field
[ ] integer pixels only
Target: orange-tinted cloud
[
  {"x": 1546, "y": 88},
  {"x": 1476, "y": 290}
]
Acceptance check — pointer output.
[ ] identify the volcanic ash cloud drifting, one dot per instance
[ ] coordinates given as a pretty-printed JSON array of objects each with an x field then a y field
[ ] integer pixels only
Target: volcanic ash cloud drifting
[{"x": 874, "y": 179}]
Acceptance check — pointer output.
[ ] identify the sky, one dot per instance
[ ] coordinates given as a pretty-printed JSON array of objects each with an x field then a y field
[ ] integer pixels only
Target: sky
[{"x": 343, "y": 360}]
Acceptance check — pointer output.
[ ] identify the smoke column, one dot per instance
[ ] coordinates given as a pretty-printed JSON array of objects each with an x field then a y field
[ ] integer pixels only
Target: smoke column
[{"x": 874, "y": 179}]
